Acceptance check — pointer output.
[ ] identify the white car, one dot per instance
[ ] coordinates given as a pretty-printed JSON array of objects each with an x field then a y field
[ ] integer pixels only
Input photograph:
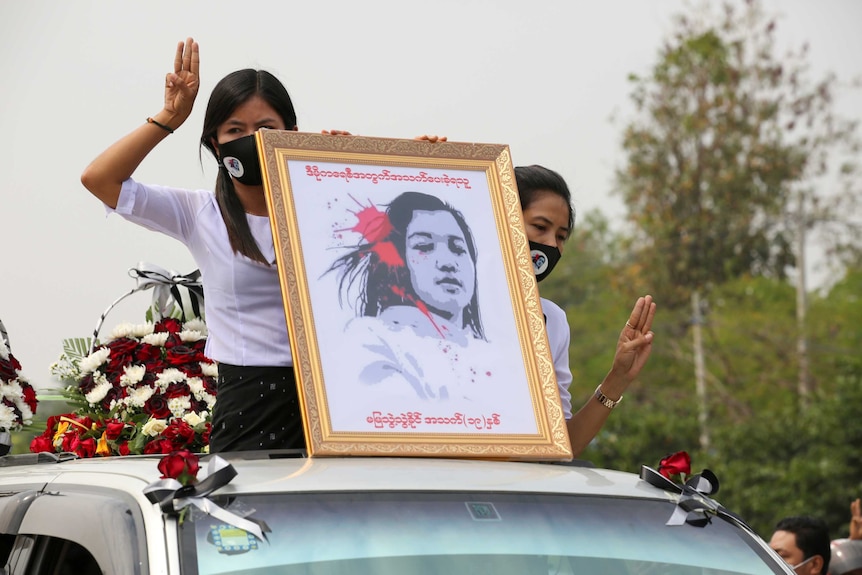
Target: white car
[{"x": 361, "y": 515}]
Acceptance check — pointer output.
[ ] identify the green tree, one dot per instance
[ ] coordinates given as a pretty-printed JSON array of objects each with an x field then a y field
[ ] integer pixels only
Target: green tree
[{"x": 722, "y": 162}]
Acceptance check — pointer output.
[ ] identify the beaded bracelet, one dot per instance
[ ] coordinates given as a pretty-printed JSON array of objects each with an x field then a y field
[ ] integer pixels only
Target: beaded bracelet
[{"x": 167, "y": 129}]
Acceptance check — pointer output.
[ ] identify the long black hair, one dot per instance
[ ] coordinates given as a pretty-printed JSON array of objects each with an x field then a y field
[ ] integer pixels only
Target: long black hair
[
  {"x": 535, "y": 179},
  {"x": 232, "y": 91},
  {"x": 382, "y": 284}
]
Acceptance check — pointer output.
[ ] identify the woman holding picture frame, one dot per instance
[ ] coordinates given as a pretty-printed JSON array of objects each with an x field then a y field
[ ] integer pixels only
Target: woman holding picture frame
[
  {"x": 228, "y": 233},
  {"x": 549, "y": 220}
]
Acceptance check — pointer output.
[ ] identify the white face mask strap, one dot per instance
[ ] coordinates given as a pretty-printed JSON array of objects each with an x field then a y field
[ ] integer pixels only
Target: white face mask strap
[{"x": 795, "y": 567}]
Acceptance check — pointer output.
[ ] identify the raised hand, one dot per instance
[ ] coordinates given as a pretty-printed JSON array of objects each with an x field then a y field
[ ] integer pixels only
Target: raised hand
[
  {"x": 181, "y": 85},
  {"x": 635, "y": 343}
]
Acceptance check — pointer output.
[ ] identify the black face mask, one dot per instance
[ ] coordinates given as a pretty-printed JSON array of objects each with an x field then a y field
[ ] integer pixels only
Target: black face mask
[
  {"x": 239, "y": 157},
  {"x": 544, "y": 259}
]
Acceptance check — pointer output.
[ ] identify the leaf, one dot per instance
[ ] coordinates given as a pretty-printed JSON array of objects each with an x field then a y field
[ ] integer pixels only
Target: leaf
[{"x": 76, "y": 348}]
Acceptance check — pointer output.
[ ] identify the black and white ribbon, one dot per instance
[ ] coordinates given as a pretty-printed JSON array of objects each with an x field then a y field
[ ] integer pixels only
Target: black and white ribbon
[
  {"x": 5, "y": 436},
  {"x": 169, "y": 288},
  {"x": 173, "y": 497},
  {"x": 694, "y": 506},
  {"x": 5, "y": 335}
]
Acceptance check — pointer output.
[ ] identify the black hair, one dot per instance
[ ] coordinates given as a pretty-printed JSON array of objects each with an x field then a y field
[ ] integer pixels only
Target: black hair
[
  {"x": 812, "y": 536},
  {"x": 535, "y": 179},
  {"x": 377, "y": 278},
  {"x": 232, "y": 91}
]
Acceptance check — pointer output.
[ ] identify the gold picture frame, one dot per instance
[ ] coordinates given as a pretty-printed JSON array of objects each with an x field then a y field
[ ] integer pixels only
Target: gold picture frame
[{"x": 417, "y": 335}]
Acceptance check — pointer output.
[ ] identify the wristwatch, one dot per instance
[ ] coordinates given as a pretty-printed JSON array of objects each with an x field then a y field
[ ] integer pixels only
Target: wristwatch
[{"x": 605, "y": 400}]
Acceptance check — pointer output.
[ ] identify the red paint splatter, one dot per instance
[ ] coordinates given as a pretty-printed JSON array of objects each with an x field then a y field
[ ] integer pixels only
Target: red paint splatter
[
  {"x": 373, "y": 224},
  {"x": 420, "y": 305},
  {"x": 388, "y": 254}
]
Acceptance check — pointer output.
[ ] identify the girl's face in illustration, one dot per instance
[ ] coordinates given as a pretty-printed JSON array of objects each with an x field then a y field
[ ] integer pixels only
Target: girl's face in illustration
[{"x": 441, "y": 270}]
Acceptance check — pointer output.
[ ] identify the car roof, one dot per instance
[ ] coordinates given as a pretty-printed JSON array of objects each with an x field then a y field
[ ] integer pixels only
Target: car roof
[{"x": 261, "y": 472}]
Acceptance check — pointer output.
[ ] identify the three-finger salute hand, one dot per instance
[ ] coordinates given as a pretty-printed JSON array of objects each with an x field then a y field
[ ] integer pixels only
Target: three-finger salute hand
[{"x": 181, "y": 85}]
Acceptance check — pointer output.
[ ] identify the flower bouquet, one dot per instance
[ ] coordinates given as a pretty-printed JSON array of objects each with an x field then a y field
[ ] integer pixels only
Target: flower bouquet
[
  {"x": 147, "y": 388},
  {"x": 17, "y": 397}
]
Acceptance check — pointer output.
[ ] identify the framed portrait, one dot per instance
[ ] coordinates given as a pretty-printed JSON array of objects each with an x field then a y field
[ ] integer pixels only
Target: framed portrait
[{"x": 414, "y": 317}]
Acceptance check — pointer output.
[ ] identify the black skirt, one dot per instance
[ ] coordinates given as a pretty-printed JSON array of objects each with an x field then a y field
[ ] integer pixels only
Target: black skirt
[{"x": 256, "y": 408}]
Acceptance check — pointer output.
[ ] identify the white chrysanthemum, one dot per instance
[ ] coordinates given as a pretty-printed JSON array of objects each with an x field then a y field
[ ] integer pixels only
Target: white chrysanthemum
[
  {"x": 158, "y": 339},
  {"x": 8, "y": 419},
  {"x": 4, "y": 351},
  {"x": 142, "y": 330},
  {"x": 99, "y": 392},
  {"x": 11, "y": 390},
  {"x": 190, "y": 335},
  {"x": 124, "y": 329},
  {"x": 194, "y": 419},
  {"x": 138, "y": 396},
  {"x": 153, "y": 427},
  {"x": 210, "y": 369},
  {"x": 132, "y": 374},
  {"x": 196, "y": 386},
  {"x": 179, "y": 405},
  {"x": 26, "y": 414},
  {"x": 196, "y": 324},
  {"x": 94, "y": 360},
  {"x": 208, "y": 398},
  {"x": 169, "y": 376}
]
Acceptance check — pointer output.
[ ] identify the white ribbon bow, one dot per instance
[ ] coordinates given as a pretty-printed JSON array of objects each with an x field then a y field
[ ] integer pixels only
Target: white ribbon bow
[{"x": 172, "y": 496}]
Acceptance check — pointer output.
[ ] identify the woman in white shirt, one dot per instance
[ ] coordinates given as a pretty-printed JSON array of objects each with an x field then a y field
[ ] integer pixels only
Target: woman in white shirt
[
  {"x": 228, "y": 233},
  {"x": 549, "y": 220}
]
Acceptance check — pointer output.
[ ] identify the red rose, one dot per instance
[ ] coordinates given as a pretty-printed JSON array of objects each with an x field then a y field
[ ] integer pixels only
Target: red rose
[
  {"x": 210, "y": 385},
  {"x": 678, "y": 463},
  {"x": 86, "y": 448},
  {"x": 182, "y": 354},
  {"x": 177, "y": 389},
  {"x": 157, "y": 406},
  {"x": 123, "y": 448},
  {"x": 179, "y": 433},
  {"x": 8, "y": 369},
  {"x": 114, "y": 394},
  {"x": 40, "y": 444},
  {"x": 113, "y": 429},
  {"x": 30, "y": 397},
  {"x": 87, "y": 384},
  {"x": 122, "y": 353},
  {"x": 180, "y": 465},
  {"x": 148, "y": 354},
  {"x": 169, "y": 325},
  {"x": 158, "y": 446},
  {"x": 207, "y": 432},
  {"x": 192, "y": 369}
]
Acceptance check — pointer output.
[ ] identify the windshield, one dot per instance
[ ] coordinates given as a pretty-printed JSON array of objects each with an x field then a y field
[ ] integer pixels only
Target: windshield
[{"x": 464, "y": 533}]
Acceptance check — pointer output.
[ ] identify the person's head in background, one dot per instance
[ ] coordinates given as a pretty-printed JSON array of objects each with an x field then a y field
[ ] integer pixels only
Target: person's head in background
[
  {"x": 549, "y": 217},
  {"x": 846, "y": 557},
  {"x": 240, "y": 104},
  {"x": 803, "y": 542},
  {"x": 421, "y": 254}
]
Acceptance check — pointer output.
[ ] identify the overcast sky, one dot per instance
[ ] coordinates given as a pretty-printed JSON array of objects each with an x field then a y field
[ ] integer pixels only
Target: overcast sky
[{"x": 544, "y": 77}]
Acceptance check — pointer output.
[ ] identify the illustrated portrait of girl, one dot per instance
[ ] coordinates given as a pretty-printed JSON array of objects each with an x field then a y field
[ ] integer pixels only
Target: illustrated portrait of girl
[{"x": 413, "y": 285}]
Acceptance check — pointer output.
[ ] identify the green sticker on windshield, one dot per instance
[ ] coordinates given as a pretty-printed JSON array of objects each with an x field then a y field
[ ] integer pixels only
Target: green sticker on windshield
[
  {"x": 231, "y": 540},
  {"x": 481, "y": 511}
]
